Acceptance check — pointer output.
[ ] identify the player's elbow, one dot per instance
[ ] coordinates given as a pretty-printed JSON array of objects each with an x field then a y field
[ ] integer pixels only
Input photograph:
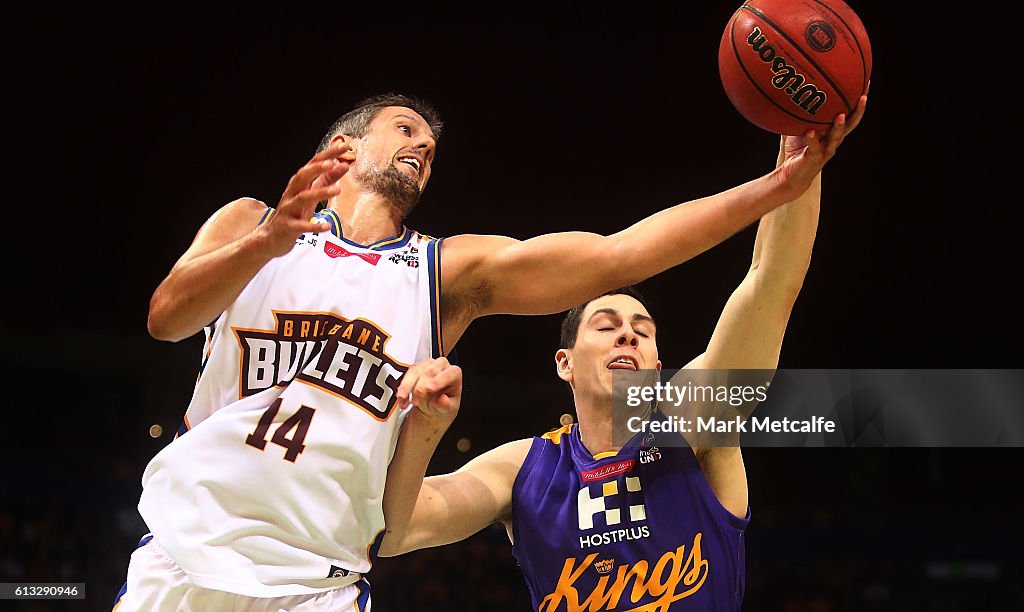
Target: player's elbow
[
  {"x": 159, "y": 330},
  {"x": 775, "y": 288},
  {"x": 787, "y": 293},
  {"x": 392, "y": 546},
  {"x": 160, "y": 324},
  {"x": 620, "y": 260}
]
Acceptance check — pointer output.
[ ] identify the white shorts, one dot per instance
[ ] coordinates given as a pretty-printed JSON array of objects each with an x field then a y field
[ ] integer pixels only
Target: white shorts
[{"x": 156, "y": 584}]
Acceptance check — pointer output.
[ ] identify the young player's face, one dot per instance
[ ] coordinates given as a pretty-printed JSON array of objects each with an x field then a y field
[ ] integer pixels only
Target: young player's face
[{"x": 616, "y": 333}]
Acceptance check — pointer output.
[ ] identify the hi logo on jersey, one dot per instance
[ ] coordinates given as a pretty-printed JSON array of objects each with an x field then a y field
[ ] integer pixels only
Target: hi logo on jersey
[
  {"x": 588, "y": 506},
  {"x": 345, "y": 358}
]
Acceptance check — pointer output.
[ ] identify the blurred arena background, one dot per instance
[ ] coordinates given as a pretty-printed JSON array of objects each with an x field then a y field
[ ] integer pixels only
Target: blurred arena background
[{"x": 136, "y": 122}]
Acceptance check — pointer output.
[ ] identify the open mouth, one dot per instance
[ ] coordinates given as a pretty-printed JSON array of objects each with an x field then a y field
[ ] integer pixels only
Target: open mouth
[
  {"x": 412, "y": 162},
  {"x": 624, "y": 363}
]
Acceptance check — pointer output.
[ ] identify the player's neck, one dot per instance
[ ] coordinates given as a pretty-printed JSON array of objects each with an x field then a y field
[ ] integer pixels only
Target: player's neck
[
  {"x": 596, "y": 425},
  {"x": 366, "y": 217}
]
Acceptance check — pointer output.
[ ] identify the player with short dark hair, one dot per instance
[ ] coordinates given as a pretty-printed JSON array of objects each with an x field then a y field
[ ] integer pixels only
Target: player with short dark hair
[{"x": 598, "y": 522}]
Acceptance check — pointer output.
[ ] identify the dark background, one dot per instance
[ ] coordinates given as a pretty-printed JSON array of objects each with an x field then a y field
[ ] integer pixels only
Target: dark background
[{"x": 132, "y": 124}]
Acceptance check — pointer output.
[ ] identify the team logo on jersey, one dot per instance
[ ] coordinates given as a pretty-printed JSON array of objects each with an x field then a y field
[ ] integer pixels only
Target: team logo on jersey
[
  {"x": 678, "y": 574},
  {"x": 605, "y": 566},
  {"x": 345, "y": 358}
]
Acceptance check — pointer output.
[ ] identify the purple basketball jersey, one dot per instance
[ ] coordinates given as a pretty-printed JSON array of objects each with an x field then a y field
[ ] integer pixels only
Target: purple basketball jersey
[{"x": 640, "y": 530}]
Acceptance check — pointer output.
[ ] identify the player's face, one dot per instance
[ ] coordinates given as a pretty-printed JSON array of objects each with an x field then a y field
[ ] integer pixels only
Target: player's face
[
  {"x": 616, "y": 333},
  {"x": 394, "y": 157}
]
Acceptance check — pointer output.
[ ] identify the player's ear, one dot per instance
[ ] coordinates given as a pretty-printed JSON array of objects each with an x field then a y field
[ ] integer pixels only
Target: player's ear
[
  {"x": 657, "y": 366},
  {"x": 564, "y": 364},
  {"x": 338, "y": 138}
]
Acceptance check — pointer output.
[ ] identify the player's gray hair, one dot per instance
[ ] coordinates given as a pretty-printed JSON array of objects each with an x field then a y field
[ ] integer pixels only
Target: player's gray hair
[{"x": 357, "y": 121}]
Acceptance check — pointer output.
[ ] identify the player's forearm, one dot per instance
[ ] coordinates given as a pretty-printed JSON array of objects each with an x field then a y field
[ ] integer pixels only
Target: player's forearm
[
  {"x": 554, "y": 272},
  {"x": 752, "y": 325},
  {"x": 673, "y": 236},
  {"x": 785, "y": 238},
  {"x": 405, "y": 497},
  {"x": 199, "y": 289}
]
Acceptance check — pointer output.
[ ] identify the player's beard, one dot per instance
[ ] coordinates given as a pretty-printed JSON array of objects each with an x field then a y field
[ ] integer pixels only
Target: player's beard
[{"x": 399, "y": 189}]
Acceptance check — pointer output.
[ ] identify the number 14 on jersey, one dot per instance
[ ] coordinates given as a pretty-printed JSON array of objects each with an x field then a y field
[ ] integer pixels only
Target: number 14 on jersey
[{"x": 289, "y": 434}]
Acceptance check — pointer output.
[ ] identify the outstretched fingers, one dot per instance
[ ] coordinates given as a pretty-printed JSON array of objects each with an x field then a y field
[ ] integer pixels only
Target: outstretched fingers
[
  {"x": 323, "y": 162},
  {"x": 844, "y": 124},
  {"x": 858, "y": 113}
]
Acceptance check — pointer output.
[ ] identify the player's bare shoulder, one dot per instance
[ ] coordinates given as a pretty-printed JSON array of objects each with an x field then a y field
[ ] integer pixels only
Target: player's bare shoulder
[
  {"x": 502, "y": 463},
  {"x": 227, "y": 224},
  {"x": 466, "y": 252},
  {"x": 237, "y": 216}
]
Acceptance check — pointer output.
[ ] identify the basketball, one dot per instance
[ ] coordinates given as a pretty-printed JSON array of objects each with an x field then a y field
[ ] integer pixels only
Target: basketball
[{"x": 789, "y": 66}]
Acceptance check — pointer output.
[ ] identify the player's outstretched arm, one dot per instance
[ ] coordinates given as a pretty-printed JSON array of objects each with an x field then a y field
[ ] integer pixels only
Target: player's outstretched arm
[
  {"x": 751, "y": 327},
  {"x": 418, "y": 512},
  {"x": 547, "y": 274},
  {"x": 231, "y": 248}
]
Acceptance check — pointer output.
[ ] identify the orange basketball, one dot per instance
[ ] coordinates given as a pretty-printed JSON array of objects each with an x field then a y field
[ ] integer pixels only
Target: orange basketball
[{"x": 793, "y": 65}]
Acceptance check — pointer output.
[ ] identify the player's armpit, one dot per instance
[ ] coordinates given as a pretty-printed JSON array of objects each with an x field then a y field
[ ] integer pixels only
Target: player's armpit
[
  {"x": 454, "y": 506},
  {"x": 727, "y": 476}
]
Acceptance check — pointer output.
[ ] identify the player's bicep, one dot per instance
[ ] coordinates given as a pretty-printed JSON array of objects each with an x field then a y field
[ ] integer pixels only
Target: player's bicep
[
  {"x": 451, "y": 508},
  {"x": 454, "y": 506},
  {"x": 546, "y": 274}
]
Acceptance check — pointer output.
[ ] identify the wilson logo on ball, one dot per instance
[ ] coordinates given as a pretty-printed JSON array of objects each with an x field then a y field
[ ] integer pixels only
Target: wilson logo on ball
[
  {"x": 805, "y": 95},
  {"x": 820, "y": 36},
  {"x": 790, "y": 66}
]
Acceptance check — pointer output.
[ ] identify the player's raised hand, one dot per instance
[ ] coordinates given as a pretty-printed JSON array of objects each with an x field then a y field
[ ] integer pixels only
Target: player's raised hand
[
  {"x": 804, "y": 156},
  {"x": 315, "y": 181},
  {"x": 434, "y": 386}
]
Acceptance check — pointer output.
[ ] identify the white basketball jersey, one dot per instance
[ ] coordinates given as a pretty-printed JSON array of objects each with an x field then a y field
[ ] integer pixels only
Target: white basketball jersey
[{"x": 274, "y": 485}]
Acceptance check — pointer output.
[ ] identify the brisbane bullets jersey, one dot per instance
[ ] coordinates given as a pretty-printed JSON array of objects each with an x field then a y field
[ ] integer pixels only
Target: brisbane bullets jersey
[
  {"x": 639, "y": 530},
  {"x": 274, "y": 483}
]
